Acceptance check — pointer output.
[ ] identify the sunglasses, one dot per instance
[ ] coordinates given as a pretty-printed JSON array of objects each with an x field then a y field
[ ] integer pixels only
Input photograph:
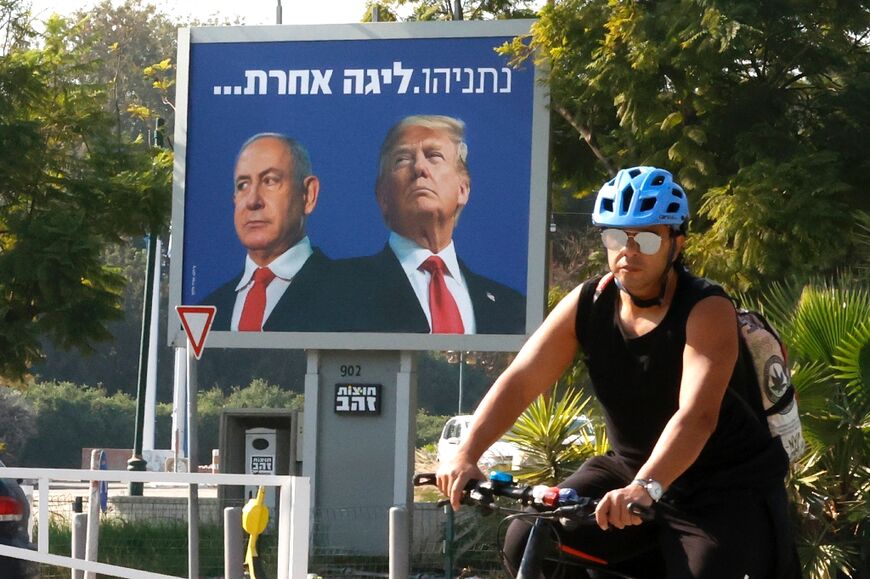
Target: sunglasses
[{"x": 617, "y": 239}]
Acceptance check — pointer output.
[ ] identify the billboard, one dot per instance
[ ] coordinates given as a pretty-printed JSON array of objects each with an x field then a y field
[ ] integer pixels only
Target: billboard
[{"x": 467, "y": 132}]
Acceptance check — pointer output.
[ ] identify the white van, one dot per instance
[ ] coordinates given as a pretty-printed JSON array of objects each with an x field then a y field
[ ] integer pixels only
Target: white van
[{"x": 502, "y": 453}]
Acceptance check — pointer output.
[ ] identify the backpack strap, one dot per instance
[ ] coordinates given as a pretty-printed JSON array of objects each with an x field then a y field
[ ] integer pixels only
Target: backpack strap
[{"x": 589, "y": 294}]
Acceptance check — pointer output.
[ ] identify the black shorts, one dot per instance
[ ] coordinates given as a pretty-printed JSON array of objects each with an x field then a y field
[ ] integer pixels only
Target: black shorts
[{"x": 745, "y": 534}]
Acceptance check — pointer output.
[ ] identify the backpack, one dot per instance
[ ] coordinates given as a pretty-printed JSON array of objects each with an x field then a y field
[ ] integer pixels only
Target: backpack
[
  {"x": 761, "y": 345},
  {"x": 765, "y": 349}
]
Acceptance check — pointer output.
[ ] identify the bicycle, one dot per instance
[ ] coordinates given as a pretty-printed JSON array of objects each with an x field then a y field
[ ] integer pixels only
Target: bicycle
[{"x": 550, "y": 505}]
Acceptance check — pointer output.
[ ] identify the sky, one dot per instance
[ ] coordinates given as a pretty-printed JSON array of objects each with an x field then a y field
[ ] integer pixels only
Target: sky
[{"x": 253, "y": 11}]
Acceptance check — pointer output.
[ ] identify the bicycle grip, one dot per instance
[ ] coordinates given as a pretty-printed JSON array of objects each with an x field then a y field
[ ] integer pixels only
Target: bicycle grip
[
  {"x": 424, "y": 479},
  {"x": 645, "y": 513},
  {"x": 428, "y": 479}
]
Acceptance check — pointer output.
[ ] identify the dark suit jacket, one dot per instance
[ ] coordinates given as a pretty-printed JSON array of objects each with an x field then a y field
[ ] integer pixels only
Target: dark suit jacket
[
  {"x": 382, "y": 299},
  {"x": 302, "y": 308}
]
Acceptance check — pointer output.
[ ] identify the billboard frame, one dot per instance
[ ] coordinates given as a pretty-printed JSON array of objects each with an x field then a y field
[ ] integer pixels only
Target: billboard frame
[{"x": 538, "y": 189}]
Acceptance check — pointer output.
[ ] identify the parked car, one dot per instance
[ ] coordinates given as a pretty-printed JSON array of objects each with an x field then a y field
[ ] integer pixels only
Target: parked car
[
  {"x": 586, "y": 431},
  {"x": 456, "y": 430},
  {"x": 14, "y": 515}
]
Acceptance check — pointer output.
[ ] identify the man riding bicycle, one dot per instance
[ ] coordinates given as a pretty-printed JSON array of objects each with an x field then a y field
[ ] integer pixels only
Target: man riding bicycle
[{"x": 661, "y": 346}]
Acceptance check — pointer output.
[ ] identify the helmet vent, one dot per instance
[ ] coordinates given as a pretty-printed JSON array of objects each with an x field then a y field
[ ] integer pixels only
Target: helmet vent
[
  {"x": 634, "y": 173},
  {"x": 673, "y": 208},
  {"x": 607, "y": 205},
  {"x": 657, "y": 182},
  {"x": 677, "y": 193},
  {"x": 627, "y": 195},
  {"x": 647, "y": 204}
]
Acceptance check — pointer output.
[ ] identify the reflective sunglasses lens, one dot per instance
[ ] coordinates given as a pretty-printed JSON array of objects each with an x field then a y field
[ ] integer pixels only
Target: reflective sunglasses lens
[
  {"x": 614, "y": 239},
  {"x": 648, "y": 242}
]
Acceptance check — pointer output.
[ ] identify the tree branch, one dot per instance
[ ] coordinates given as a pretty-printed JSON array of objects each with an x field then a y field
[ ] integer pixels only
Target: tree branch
[{"x": 587, "y": 136}]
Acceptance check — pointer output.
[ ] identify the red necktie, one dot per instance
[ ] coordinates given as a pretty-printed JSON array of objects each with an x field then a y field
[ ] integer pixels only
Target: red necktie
[
  {"x": 445, "y": 313},
  {"x": 255, "y": 301}
]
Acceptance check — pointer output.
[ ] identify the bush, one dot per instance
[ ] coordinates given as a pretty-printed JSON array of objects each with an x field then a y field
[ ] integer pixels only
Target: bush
[{"x": 428, "y": 428}]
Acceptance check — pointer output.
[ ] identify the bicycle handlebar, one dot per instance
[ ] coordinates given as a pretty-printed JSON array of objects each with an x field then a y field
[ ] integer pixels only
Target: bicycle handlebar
[{"x": 550, "y": 500}]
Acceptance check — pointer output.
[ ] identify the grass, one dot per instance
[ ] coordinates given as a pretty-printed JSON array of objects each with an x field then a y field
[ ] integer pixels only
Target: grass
[{"x": 155, "y": 547}]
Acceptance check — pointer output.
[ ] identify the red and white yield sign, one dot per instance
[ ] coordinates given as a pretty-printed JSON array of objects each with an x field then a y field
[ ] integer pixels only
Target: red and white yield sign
[{"x": 197, "y": 322}]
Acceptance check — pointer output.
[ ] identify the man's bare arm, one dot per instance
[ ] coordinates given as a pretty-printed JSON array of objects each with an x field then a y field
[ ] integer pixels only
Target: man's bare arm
[{"x": 539, "y": 364}]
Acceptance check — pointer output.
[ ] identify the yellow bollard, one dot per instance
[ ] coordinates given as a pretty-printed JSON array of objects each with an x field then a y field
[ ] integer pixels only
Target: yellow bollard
[{"x": 255, "y": 517}]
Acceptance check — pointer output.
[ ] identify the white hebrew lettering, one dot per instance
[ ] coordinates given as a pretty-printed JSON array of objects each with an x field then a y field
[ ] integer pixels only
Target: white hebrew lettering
[
  {"x": 405, "y": 73},
  {"x": 482, "y": 72},
  {"x": 256, "y": 81},
  {"x": 297, "y": 81},
  {"x": 507, "y": 73},
  {"x": 470, "y": 87},
  {"x": 320, "y": 82},
  {"x": 353, "y": 81},
  {"x": 282, "y": 80},
  {"x": 373, "y": 86},
  {"x": 446, "y": 73}
]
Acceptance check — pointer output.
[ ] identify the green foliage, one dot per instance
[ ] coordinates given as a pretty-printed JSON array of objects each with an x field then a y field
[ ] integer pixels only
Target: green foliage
[
  {"x": 258, "y": 394},
  {"x": 428, "y": 428},
  {"x": 540, "y": 432},
  {"x": 17, "y": 425},
  {"x": 71, "y": 186},
  {"x": 70, "y": 417},
  {"x": 756, "y": 107},
  {"x": 126, "y": 41},
  {"x": 469, "y": 9},
  {"x": 827, "y": 328}
]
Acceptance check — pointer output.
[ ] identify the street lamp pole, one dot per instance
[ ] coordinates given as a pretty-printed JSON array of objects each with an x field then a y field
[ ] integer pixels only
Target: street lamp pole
[
  {"x": 461, "y": 364},
  {"x": 278, "y": 15}
]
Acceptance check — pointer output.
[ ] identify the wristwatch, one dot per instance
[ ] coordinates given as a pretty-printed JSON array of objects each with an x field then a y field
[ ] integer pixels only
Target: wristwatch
[{"x": 651, "y": 486}]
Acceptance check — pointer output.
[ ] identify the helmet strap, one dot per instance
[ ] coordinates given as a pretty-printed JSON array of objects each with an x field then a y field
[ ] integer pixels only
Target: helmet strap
[{"x": 663, "y": 284}]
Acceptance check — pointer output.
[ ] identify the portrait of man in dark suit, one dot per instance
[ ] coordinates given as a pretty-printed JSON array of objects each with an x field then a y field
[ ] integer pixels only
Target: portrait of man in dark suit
[
  {"x": 274, "y": 192},
  {"x": 418, "y": 283}
]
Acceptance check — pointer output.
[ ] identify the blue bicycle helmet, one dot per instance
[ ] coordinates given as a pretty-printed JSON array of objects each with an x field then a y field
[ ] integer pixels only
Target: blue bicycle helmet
[{"x": 641, "y": 196}]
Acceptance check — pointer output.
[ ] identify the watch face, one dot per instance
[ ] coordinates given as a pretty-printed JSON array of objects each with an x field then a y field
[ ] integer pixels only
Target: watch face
[{"x": 654, "y": 489}]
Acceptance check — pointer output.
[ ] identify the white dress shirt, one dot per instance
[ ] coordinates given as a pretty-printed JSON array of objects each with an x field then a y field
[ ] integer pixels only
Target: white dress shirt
[
  {"x": 285, "y": 267},
  {"x": 411, "y": 256}
]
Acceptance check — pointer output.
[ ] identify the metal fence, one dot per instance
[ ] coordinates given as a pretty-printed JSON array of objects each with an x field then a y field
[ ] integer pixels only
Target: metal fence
[
  {"x": 139, "y": 536},
  {"x": 152, "y": 538}
]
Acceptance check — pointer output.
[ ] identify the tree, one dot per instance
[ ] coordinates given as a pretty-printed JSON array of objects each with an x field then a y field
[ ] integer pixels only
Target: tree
[
  {"x": 126, "y": 40},
  {"x": 756, "y": 107},
  {"x": 71, "y": 187},
  {"x": 468, "y": 10},
  {"x": 17, "y": 425}
]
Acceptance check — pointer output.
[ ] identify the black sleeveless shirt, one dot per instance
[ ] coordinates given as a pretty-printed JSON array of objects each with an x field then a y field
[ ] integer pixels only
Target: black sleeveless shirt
[{"x": 637, "y": 382}]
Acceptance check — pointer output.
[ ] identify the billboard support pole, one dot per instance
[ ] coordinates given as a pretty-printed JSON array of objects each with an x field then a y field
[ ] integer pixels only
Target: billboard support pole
[
  {"x": 136, "y": 463},
  {"x": 192, "y": 461}
]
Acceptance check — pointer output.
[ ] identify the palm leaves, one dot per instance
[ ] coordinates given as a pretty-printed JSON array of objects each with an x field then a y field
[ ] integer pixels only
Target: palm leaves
[
  {"x": 541, "y": 433},
  {"x": 827, "y": 328}
]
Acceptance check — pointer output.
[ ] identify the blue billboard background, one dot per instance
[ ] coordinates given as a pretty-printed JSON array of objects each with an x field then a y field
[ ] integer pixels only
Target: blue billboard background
[{"x": 342, "y": 120}]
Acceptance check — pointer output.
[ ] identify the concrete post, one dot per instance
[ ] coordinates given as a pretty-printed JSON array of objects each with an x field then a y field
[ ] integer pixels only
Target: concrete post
[
  {"x": 233, "y": 543},
  {"x": 79, "y": 540},
  {"x": 400, "y": 562}
]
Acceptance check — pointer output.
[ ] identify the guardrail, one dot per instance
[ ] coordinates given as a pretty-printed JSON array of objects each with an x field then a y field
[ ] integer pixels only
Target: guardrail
[{"x": 293, "y": 515}]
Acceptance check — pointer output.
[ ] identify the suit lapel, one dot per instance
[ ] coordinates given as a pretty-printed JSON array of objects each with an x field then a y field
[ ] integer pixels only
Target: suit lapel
[{"x": 400, "y": 301}]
